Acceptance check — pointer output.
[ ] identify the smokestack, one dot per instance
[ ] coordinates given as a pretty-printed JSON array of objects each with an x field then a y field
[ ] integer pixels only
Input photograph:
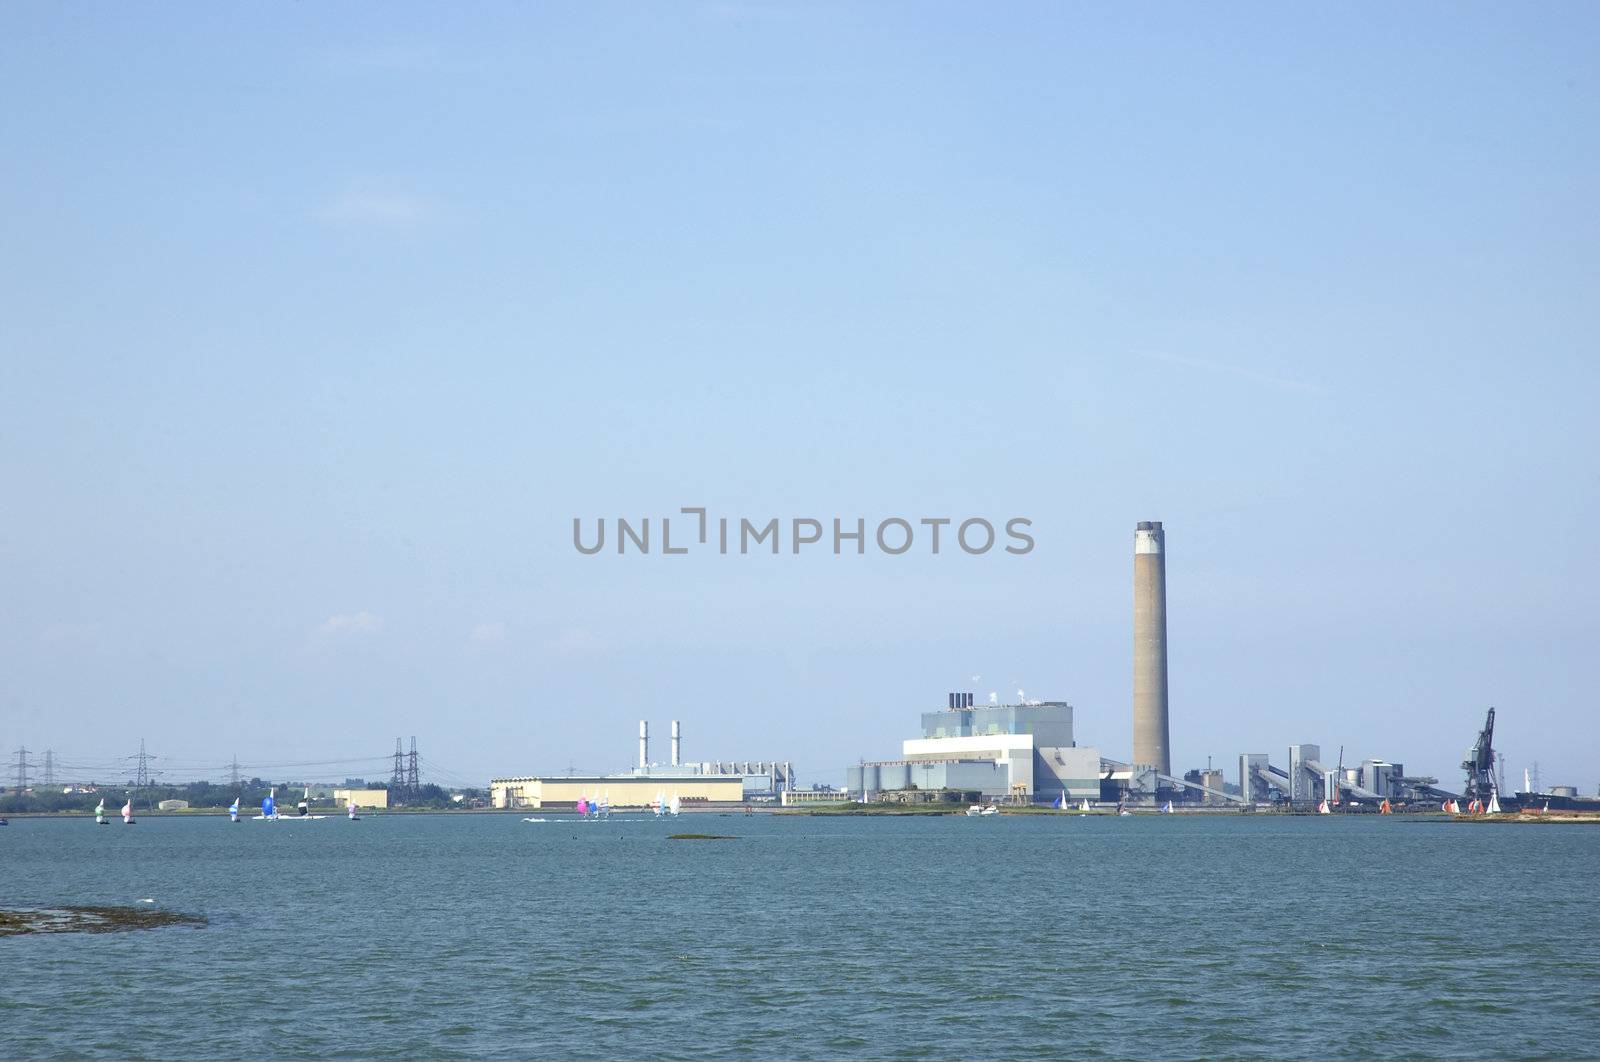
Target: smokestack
[
  {"x": 676, "y": 735},
  {"x": 1151, "y": 732},
  {"x": 644, "y": 743}
]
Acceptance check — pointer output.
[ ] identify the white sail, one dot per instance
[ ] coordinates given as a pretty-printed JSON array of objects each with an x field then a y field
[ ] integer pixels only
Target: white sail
[
  {"x": 127, "y": 811},
  {"x": 1494, "y": 803},
  {"x": 677, "y": 805}
]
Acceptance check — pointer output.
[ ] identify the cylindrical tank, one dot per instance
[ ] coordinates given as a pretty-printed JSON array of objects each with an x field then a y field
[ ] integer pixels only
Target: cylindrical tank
[{"x": 1151, "y": 731}]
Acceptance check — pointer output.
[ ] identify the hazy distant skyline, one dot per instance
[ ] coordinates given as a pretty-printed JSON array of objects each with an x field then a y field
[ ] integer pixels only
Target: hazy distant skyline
[{"x": 321, "y": 324}]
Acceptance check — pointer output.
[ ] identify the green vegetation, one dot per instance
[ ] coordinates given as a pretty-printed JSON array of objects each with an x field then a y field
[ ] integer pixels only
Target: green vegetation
[
  {"x": 208, "y": 796},
  {"x": 701, "y": 837},
  {"x": 89, "y": 919}
]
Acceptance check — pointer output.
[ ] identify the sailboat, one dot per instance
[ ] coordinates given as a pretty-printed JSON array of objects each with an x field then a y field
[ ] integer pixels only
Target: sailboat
[
  {"x": 305, "y": 802},
  {"x": 127, "y": 813},
  {"x": 233, "y": 810},
  {"x": 1323, "y": 809},
  {"x": 1546, "y": 810},
  {"x": 582, "y": 807},
  {"x": 100, "y": 813},
  {"x": 1494, "y": 803},
  {"x": 1084, "y": 807},
  {"x": 269, "y": 807},
  {"x": 1061, "y": 801},
  {"x": 605, "y": 805},
  {"x": 1168, "y": 809},
  {"x": 1385, "y": 808},
  {"x": 350, "y": 809},
  {"x": 677, "y": 805},
  {"x": 661, "y": 802}
]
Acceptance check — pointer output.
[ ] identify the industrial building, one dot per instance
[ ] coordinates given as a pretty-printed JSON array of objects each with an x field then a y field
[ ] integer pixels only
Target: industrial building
[
  {"x": 706, "y": 781},
  {"x": 619, "y": 791},
  {"x": 362, "y": 798},
  {"x": 1012, "y": 751}
]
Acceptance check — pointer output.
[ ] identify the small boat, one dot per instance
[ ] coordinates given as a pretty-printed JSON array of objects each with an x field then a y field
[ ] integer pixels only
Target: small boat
[
  {"x": 1494, "y": 804},
  {"x": 127, "y": 813},
  {"x": 305, "y": 803},
  {"x": 582, "y": 807},
  {"x": 350, "y": 809},
  {"x": 983, "y": 809},
  {"x": 677, "y": 805},
  {"x": 1060, "y": 801},
  {"x": 1385, "y": 808},
  {"x": 269, "y": 807},
  {"x": 233, "y": 810},
  {"x": 1168, "y": 809},
  {"x": 100, "y": 813},
  {"x": 660, "y": 804},
  {"x": 1084, "y": 807}
]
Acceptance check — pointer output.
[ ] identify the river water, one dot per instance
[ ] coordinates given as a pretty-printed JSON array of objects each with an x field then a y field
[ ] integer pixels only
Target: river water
[{"x": 810, "y": 937}]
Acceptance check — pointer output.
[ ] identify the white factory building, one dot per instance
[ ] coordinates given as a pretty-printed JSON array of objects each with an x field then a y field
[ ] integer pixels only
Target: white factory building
[{"x": 1023, "y": 751}]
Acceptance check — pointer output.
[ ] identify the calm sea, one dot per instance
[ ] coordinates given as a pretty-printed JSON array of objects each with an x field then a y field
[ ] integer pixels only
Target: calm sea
[{"x": 1036, "y": 937}]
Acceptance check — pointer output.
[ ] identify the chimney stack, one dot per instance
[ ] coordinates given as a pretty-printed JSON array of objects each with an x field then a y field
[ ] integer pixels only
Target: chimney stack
[
  {"x": 1151, "y": 730},
  {"x": 676, "y": 736},
  {"x": 644, "y": 744}
]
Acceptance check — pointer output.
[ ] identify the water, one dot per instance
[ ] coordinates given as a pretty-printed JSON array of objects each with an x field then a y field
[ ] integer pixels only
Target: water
[{"x": 466, "y": 936}]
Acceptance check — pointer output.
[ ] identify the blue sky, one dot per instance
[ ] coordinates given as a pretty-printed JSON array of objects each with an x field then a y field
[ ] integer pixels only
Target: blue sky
[{"x": 319, "y": 324}]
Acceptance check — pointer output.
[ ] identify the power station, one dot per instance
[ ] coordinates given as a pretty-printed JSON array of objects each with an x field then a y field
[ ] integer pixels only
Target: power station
[{"x": 700, "y": 783}]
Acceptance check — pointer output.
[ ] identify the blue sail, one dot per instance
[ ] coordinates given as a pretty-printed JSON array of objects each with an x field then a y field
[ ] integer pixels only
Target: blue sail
[{"x": 267, "y": 807}]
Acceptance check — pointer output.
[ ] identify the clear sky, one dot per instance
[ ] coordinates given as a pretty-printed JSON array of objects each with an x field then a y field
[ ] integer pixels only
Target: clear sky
[{"x": 320, "y": 322}]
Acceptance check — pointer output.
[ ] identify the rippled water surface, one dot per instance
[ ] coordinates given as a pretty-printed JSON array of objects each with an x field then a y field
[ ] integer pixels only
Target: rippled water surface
[{"x": 1042, "y": 936}]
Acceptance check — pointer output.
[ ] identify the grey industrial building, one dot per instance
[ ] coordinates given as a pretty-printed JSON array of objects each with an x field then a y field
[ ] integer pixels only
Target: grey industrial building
[{"x": 1023, "y": 751}]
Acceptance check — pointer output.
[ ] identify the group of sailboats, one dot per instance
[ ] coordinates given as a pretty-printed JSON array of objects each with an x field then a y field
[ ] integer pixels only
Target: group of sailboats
[
  {"x": 100, "y": 813},
  {"x": 270, "y": 813},
  {"x": 1476, "y": 806}
]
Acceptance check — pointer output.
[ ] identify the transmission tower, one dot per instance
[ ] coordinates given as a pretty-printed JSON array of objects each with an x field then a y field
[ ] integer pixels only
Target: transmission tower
[
  {"x": 49, "y": 767},
  {"x": 397, "y": 778},
  {"x": 22, "y": 770},
  {"x": 413, "y": 782},
  {"x": 233, "y": 772},
  {"x": 141, "y": 778}
]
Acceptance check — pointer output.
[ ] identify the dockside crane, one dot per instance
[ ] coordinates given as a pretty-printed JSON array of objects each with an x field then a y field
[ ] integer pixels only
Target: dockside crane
[{"x": 1479, "y": 763}]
